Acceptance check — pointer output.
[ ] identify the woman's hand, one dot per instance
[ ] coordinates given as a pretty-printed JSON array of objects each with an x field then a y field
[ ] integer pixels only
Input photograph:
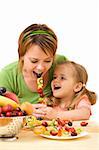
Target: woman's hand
[
  {"x": 50, "y": 113},
  {"x": 38, "y": 110},
  {"x": 38, "y": 106},
  {"x": 45, "y": 112}
]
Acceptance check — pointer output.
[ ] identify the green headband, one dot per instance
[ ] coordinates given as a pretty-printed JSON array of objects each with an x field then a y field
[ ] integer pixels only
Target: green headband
[{"x": 38, "y": 32}]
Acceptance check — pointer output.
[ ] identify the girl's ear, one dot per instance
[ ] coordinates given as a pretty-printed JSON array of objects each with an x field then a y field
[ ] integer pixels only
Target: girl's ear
[{"x": 78, "y": 87}]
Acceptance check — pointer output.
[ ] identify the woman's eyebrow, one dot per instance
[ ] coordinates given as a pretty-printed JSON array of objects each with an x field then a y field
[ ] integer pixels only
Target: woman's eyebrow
[{"x": 38, "y": 58}]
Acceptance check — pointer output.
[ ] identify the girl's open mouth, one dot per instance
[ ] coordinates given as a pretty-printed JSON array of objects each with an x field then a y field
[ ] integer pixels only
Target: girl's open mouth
[{"x": 56, "y": 87}]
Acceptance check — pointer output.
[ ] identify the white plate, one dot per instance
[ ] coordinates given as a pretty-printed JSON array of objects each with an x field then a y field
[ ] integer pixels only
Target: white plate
[{"x": 82, "y": 134}]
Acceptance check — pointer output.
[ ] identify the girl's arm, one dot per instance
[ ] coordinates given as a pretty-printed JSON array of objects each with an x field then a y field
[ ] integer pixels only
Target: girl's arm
[{"x": 82, "y": 113}]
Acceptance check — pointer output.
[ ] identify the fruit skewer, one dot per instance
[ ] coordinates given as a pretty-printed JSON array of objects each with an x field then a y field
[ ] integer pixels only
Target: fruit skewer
[{"x": 40, "y": 89}]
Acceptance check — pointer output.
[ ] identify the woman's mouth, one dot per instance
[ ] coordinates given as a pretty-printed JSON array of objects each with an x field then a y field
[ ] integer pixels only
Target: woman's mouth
[{"x": 38, "y": 75}]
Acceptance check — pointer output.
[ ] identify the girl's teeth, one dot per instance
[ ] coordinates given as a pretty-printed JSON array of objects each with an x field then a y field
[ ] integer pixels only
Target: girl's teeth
[{"x": 56, "y": 88}]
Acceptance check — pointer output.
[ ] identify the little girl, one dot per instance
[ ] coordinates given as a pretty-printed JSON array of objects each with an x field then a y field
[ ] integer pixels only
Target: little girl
[{"x": 71, "y": 100}]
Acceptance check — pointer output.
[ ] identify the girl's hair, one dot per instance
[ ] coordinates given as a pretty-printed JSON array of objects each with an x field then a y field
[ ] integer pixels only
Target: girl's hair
[
  {"x": 38, "y": 34},
  {"x": 79, "y": 75}
]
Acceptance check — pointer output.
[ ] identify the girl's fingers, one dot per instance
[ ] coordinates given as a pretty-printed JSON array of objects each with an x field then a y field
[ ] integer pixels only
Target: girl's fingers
[
  {"x": 39, "y": 111},
  {"x": 38, "y": 115},
  {"x": 37, "y": 106}
]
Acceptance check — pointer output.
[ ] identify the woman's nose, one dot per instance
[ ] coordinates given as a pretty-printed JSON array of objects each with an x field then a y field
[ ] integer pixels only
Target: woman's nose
[{"x": 40, "y": 67}]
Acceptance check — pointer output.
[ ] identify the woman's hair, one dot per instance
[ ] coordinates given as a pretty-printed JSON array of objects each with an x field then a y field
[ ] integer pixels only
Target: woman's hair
[
  {"x": 79, "y": 75},
  {"x": 38, "y": 34}
]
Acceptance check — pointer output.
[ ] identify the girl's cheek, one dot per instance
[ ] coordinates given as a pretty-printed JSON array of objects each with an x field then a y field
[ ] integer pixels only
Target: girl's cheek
[{"x": 52, "y": 86}]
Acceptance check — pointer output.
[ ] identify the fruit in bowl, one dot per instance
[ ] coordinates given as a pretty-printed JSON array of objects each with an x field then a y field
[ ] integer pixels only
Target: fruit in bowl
[
  {"x": 12, "y": 113},
  {"x": 10, "y": 105}
]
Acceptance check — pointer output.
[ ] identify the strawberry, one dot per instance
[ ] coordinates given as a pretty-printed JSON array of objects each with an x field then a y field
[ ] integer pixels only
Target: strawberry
[
  {"x": 84, "y": 123},
  {"x": 54, "y": 133},
  {"x": 71, "y": 129}
]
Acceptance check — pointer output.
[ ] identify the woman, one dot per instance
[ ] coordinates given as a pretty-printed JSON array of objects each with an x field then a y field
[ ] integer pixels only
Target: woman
[{"x": 37, "y": 54}]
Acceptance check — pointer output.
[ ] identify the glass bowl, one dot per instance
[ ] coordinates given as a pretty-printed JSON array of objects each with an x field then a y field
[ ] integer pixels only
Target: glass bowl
[{"x": 10, "y": 126}]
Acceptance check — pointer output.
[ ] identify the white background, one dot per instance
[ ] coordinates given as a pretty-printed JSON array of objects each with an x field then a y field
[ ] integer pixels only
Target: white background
[{"x": 74, "y": 21}]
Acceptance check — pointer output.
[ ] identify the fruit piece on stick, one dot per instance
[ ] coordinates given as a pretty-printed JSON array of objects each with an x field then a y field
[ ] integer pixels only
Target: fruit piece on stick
[
  {"x": 5, "y": 101},
  {"x": 27, "y": 107},
  {"x": 12, "y": 96}
]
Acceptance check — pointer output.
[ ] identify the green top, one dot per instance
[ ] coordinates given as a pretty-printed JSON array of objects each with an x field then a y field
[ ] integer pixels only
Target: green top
[{"x": 13, "y": 81}]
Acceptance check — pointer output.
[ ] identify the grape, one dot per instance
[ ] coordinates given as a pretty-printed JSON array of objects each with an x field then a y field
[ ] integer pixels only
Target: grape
[
  {"x": 2, "y": 90},
  {"x": 70, "y": 123}
]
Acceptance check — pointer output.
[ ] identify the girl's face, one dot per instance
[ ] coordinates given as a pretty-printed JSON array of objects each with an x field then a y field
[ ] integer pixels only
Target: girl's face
[
  {"x": 63, "y": 82},
  {"x": 36, "y": 61}
]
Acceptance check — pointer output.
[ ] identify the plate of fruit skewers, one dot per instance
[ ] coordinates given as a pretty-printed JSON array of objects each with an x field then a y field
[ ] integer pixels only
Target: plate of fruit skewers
[
  {"x": 65, "y": 137},
  {"x": 55, "y": 129}
]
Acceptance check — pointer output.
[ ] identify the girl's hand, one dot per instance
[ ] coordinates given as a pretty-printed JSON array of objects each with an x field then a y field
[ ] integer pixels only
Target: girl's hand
[{"x": 50, "y": 113}]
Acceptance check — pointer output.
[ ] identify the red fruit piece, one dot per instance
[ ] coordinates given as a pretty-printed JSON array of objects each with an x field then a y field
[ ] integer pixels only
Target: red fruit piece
[
  {"x": 0, "y": 110},
  {"x": 12, "y": 96},
  {"x": 84, "y": 123},
  {"x": 44, "y": 123},
  {"x": 15, "y": 113},
  {"x": 67, "y": 128},
  {"x": 7, "y": 108},
  {"x": 20, "y": 113},
  {"x": 61, "y": 122},
  {"x": 54, "y": 133},
  {"x": 8, "y": 114},
  {"x": 40, "y": 90},
  {"x": 2, "y": 115},
  {"x": 73, "y": 134},
  {"x": 72, "y": 130}
]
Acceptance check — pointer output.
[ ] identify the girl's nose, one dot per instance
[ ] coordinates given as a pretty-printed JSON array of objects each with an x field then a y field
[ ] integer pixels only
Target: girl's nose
[{"x": 56, "y": 80}]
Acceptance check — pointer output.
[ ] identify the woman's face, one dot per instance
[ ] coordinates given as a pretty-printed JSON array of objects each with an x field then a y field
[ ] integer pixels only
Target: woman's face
[
  {"x": 63, "y": 82},
  {"x": 36, "y": 61}
]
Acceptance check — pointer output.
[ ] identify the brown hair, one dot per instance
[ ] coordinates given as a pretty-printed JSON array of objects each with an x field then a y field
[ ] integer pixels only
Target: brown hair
[
  {"x": 39, "y": 34},
  {"x": 80, "y": 75}
]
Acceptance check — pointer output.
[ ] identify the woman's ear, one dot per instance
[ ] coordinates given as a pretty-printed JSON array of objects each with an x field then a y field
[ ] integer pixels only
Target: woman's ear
[{"x": 78, "y": 87}]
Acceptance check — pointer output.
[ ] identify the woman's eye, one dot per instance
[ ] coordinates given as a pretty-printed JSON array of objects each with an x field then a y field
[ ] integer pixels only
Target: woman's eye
[
  {"x": 33, "y": 61},
  {"x": 48, "y": 61}
]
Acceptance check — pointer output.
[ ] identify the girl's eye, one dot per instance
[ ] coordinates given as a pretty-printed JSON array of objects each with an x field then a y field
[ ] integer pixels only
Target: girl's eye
[
  {"x": 63, "y": 78},
  {"x": 54, "y": 77}
]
